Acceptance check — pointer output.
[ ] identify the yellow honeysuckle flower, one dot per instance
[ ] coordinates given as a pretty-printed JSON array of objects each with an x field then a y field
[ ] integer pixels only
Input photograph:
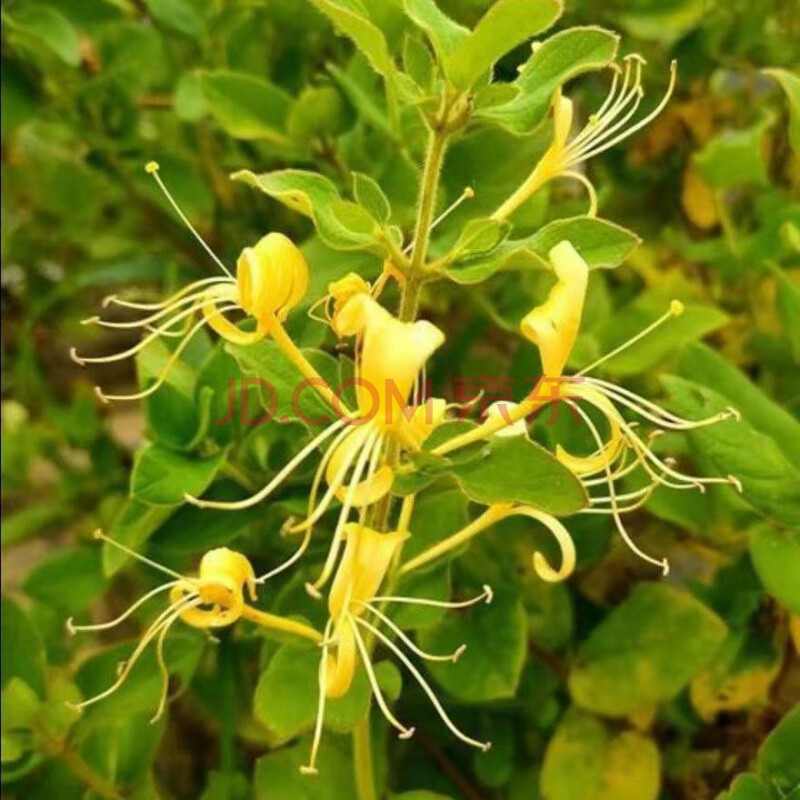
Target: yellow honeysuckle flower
[
  {"x": 271, "y": 278},
  {"x": 355, "y": 612},
  {"x": 553, "y": 327},
  {"x": 607, "y": 127},
  {"x": 389, "y": 364},
  {"x": 214, "y": 599}
]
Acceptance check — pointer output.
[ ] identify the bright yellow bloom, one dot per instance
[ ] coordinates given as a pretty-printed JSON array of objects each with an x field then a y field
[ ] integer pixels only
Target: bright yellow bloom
[
  {"x": 605, "y": 128},
  {"x": 553, "y": 327},
  {"x": 214, "y": 599},
  {"x": 271, "y": 278},
  {"x": 355, "y": 617},
  {"x": 392, "y": 413}
]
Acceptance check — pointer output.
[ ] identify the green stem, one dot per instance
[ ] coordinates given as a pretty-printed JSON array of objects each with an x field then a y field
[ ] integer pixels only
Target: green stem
[
  {"x": 85, "y": 773},
  {"x": 227, "y": 679},
  {"x": 362, "y": 760}
]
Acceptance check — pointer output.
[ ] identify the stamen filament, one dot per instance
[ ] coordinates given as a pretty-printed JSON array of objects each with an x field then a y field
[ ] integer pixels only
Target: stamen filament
[
  {"x": 152, "y": 169},
  {"x": 104, "y": 626},
  {"x": 322, "y": 682},
  {"x": 408, "y": 642},
  {"x": 404, "y": 732},
  {"x": 115, "y": 300},
  {"x": 275, "y": 482},
  {"x": 486, "y": 596},
  {"x": 424, "y": 686},
  {"x": 98, "y": 534}
]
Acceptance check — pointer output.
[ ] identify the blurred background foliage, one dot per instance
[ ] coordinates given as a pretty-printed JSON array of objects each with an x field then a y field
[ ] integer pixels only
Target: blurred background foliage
[{"x": 612, "y": 687}]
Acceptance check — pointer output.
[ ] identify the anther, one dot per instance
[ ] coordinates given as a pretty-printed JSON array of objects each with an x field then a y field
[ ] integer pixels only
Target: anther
[
  {"x": 407, "y": 733},
  {"x": 90, "y": 320},
  {"x": 459, "y": 652},
  {"x": 70, "y": 626},
  {"x": 305, "y": 770},
  {"x": 313, "y": 591},
  {"x": 676, "y": 308},
  {"x": 665, "y": 568},
  {"x": 737, "y": 484},
  {"x": 73, "y": 354},
  {"x": 99, "y": 392},
  {"x": 487, "y": 590},
  {"x": 151, "y": 167}
]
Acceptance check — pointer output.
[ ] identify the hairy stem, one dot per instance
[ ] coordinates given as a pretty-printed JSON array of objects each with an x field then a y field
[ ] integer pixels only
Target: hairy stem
[{"x": 362, "y": 761}]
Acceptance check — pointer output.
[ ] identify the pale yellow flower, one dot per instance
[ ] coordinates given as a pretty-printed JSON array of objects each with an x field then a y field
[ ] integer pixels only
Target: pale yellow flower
[
  {"x": 356, "y": 614},
  {"x": 214, "y": 599},
  {"x": 271, "y": 278}
]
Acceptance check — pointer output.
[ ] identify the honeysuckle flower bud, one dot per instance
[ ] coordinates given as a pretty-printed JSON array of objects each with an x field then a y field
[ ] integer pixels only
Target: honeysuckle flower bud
[
  {"x": 607, "y": 127},
  {"x": 214, "y": 599},
  {"x": 271, "y": 278},
  {"x": 353, "y": 605}
]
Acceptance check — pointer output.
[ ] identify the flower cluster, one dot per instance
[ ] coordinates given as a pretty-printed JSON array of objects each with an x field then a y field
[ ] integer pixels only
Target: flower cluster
[{"x": 362, "y": 452}]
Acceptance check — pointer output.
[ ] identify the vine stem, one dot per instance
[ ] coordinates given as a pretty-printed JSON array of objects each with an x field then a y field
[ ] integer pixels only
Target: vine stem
[
  {"x": 363, "y": 763},
  {"x": 83, "y": 771},
  {"x": 409, "y": 306}
]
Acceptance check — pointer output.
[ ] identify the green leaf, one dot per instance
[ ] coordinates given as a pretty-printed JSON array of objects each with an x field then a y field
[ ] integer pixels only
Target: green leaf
[
  {"x": 246, "y": 107},
  {"x": 513, "y": 469},
  {"x": 162, "y": 477},
  {"x": 496, "y": 638},
  {"x": 351, "y": 19},
  {"x": 316, "y": 197},
  {"x": 777, "y": 758},
  {"x": 788, "y": 304},
  {"x": 26, "y": 658},
  {"x": 444, "y": 34},
  {"x": 317, "y": 113},
  {"x": 584, "y": 760},
  {"x": 477, "y": 238},
  {"x": 602, "y": 244},
  {"x": 178, "y": 14},
  {"x": 69, "y": 579},
  {"x": 558, "y": 59},
  {"x": 286, "y": 696},
  {"x": 370, "y": 195},
  {"x": 734, "y": 158},
  {"x": 49, "y": 26},
  {"x": 702, "y": 364},
  {"x": 790, "y": 84},
  {"x": 769, "y": 482},
  {"x": 418, "y": 62},
  {"x": 278, "y": 776},
  {"x": 506, "y": 24},
  {"x": 694, "y": 323},
  {"x": 776, "y": 557},
  {"x": 747, "y": 787},
  {"x": 642, "y": 654},
  {"x": 420, "y": 794},
  {"x": 286, "y": 395}
]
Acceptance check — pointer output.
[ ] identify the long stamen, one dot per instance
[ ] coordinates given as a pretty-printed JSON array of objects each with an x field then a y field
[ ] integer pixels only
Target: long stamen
[
  {"x": 315, "y": 511},
  {"x": 152, "y": 169},
  {"x": 408, "y": 642},
  {"x": 424, "y": 686},
  {"x": 373, "y": 441},
  {"x": 113, "y": 299},
  {"x": 149, "y": 635},
  {"x": 171, "y": 361},
  {"x": 276, "y": 481},
  {"x": 98, "y": 534},
  {"x": 162, "y": 664},
  {"x": 467, "y": 194},
  {"x": 607, "y": 145},
  {"x": 675, "y": 310},
  {"x": 664, "y": 564},
  {"x": 486, "y": 596},
  {"x": 293, "y": 559},
  {"x": 404, "y": 732},
  {"x": 72, "y": 628},
  {"x": 150, "y": 318},
  {"x": 322, "y": 682},
  {"x": 134, "y": 349}
]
